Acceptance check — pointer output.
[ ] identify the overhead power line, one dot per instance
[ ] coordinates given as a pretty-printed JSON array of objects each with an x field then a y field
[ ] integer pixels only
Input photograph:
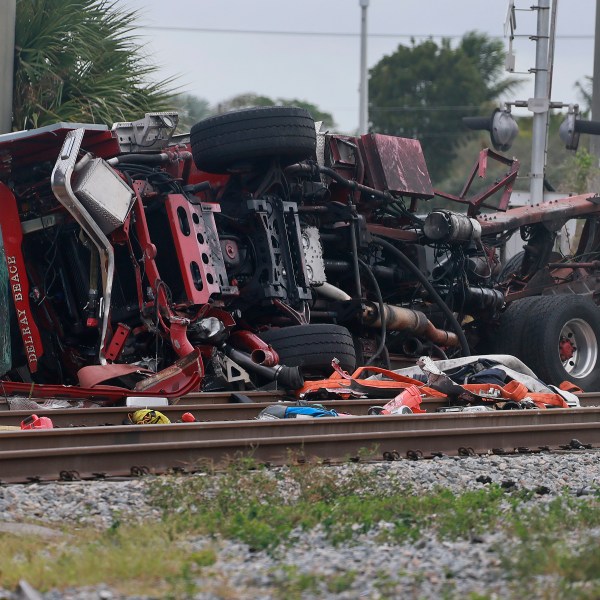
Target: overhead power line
[
  {"x": 422, "y": 108},
  {"x": 331, "y": 34}
]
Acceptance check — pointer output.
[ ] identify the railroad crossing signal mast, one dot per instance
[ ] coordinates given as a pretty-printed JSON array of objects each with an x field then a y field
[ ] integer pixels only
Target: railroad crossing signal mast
[
  {"x": 363, "y": 89},
  {"x": 7, "y": 53},
  {"x": 501, "y": 125}
]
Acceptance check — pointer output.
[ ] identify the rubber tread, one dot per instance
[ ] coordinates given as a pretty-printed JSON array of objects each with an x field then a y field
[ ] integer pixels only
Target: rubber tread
[
  {"x": 510, "y": 334},
  {"x": 253, "y": 135},
  {"x": 313, "y": 347},
  {"x": 544, "y": 320},
  {"x": 512, "y": 265}
]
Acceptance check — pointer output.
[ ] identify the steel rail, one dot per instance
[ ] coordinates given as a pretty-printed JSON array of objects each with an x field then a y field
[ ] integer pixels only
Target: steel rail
[
  {"x": 123, "y": 450},
  {"x": 211, "y": 411},
  {"x": 157, "y": 458},
  {"x": 215, "y": 430},
  {"x": 193, "y": 398},
  {"x": 202, "y": 412},
  {"x": 223, "y": 399}
]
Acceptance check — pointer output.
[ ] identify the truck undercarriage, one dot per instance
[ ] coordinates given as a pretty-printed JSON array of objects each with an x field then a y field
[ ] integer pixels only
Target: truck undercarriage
[{"x": 255, "y": 250}]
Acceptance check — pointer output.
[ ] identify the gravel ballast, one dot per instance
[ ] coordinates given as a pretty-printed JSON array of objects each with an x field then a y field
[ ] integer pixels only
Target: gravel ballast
[{"x": 428, "y": 568}]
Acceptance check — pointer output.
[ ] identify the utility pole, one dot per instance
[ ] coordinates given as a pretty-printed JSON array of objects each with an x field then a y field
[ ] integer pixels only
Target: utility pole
[
  {"x": 595, "y": 140},
  {"x": 540, "y": 103},
  {"x": 8, "y": 10},
  {"x": 363, "y": 89}
]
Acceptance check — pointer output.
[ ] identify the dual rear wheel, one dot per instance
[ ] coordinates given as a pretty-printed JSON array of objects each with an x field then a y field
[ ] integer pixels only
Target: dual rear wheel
[{"x": 558, "y": 337}]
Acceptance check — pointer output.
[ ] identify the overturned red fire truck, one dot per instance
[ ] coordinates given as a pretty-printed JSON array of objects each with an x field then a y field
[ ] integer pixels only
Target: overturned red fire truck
[{"x": 255, "y": 249}]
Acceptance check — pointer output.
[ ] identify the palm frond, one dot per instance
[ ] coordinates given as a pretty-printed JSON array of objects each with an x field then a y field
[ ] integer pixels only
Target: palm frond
[{"x": 79, "y": 60}]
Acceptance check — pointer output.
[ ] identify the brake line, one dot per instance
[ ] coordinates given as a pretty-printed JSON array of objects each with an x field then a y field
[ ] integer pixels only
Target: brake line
[
  {"x": 382, "y": 317},
  {"x": 427, "y": 285}
]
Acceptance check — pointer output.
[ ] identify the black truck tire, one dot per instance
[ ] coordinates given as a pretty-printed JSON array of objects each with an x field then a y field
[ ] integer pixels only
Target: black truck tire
[
  {"x": 312, "y": 347},
  {"x": 561, "y": 340},
  {"x": 253, "y": 136},
  {"x": 509, "y": 337},
  {"x": 512, "y": 265}
]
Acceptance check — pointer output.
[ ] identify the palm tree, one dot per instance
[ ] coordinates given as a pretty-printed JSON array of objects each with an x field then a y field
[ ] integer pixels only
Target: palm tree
[{"x": 78, "y": 61}]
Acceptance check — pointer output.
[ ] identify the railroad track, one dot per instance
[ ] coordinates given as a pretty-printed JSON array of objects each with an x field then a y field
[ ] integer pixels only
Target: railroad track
[
  {"x": 126, "y": 450},
  {"x": 214, "y": 407}
]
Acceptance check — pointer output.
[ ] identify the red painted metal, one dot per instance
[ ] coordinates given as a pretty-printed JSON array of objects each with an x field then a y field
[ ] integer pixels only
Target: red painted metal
[
  {"x": 143, "y": 234},
  {"x": 175, "y": 378},
  {"x": 105, "y": 394},
  {"x": 192, "y": 245},
  {"x": 396, "y": 164},
  {"x": 260, "y": 352},
  {"x": 178, "y": 332},
  {"x": 12, "y": 236},
  {"x": 393, "y": 232},
  {"x": 476, "y": 202},
  {"x": 566, "y": 349},
  {"x": 178, "y": 325},
  {"x": 94, "y": 375},
  {"x": 40, "y": 146},
  {"x": 179, "y": 379},
  {"x": 554, "y": 212}
]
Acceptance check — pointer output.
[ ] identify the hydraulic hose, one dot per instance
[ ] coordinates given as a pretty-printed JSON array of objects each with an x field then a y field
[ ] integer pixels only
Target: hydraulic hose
[
  {"x": 290, "y": 378},
  {"x": 430, "y": 289},
  {"x": 382, "y": 317}
]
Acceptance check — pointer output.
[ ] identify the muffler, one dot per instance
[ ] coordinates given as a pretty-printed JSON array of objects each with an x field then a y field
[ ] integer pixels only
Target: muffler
[{"x": 398, "y": 318}]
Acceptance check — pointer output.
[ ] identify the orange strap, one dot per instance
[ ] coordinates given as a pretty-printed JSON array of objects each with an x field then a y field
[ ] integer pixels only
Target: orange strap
[{"x": 340, "y": 384}]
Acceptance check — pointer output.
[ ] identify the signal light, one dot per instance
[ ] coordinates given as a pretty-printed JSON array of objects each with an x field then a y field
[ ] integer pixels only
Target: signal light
[
  {"x": 501, "y": 125},
  {"x": 571, "y": 127}
]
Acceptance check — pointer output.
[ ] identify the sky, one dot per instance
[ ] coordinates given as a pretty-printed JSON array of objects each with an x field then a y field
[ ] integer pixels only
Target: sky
[{"x": 289, "y": 63}]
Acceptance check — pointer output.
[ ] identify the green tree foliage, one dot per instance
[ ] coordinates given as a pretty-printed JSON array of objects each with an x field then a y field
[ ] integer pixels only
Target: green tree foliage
[
  {"x": 584, "y": 89},
  {"x": 564, "y": 169},
  {"x": 422, "y": 91},
  {"x": 250, "y": 100},
  {"x": 191, "y": 109},
  {"x": 77, "y": 60}
]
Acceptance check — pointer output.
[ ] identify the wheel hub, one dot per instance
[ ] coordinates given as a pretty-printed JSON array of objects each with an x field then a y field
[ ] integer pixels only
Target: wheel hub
[
  {"x": 566, "y": 349},
  {"x": 578, "y": 348}
]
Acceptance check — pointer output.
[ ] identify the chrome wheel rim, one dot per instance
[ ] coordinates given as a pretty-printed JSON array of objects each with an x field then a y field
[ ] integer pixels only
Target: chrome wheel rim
[{"x": 585, "y": 348}]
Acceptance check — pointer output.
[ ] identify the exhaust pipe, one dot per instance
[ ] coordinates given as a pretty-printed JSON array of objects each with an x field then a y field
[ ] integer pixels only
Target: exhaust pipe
[
  {"x": 261, "y": 353},
  {"x": 290, "y": 378},
  {"x": 398, "y": 318},
  {"x": 413, "y": 347}
]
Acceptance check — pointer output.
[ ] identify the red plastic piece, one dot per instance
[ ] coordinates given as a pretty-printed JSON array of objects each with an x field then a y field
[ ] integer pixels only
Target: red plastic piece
[
  {"x": 188, "y": 417},
  {"x": 35, "y": 422},
  {"x": 410, "y": 397}
]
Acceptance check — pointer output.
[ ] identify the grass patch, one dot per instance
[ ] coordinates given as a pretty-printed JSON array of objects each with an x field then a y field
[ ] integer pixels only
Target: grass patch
[
  {"x": 554, "y": 550},
  {"x": 336, "y": 584},
  {"x": 289, "y": 583},
  {"x": 254, "y": 506},
  {"x": 556, "y": 553},
  {"x": 141, "y": 559}
]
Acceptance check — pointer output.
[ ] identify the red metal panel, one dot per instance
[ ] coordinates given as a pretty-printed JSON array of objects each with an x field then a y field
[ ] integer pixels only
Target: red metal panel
[
  {"x": 396, "y": 164},
  {"x": 38, "y": 146},
  {"x": 19, "y": 284},
  {"x": 193, "y": 246}
]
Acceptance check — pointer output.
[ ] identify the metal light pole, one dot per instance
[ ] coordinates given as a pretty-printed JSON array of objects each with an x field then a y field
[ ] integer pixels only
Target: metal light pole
[
  {"x": 540, "y": 104},
  {"x": 594, "y": 139},
  {"x": 363, "y": 89},
  {"x": 8, "y": 9}
]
